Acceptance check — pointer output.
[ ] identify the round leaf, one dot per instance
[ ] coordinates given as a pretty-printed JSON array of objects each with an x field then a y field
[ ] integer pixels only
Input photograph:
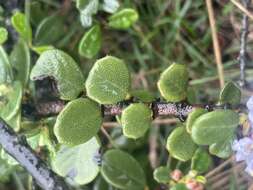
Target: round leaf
[
  {"x": 3, "y": 35},
  {"x": 222, "y": 149},
  {"x": 193, "y": 116},
  {"x": 230, "y": 94},
  {"x": 162, "y": 174},
  {"x": 215, "y": 126},
  {"x": 108, "y": 81},
  {"x": 201, "y": 161},
  {"x": 136, "y": 120},
  {"x": 20, "y": 24},
  {"x": 122, "y": 170},
  {"x": 90, "y": 44},
  {"x": 78, "y": 122},
  {"x": 78, "y": 162},
  {"x": 59, "y": 65},
  {"x": 173, "y": 83},
  {"x": 180, "y": 144},
  {"x": 123, "y": 19},
  {"x": 20, "y": 61}
]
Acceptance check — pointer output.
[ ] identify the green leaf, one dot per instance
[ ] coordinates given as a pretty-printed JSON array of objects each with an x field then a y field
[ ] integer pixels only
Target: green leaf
[
  {"x": 215, "y": 126},
  {"x": 5, "y": 68},
  {"x": 78, "y": 162},
  {"x": 78, "y": 122},
  {"x": 40, "y": 49},
  {"x": 49, "y": 30},
  {"x": 90, "y": 43},
  {"x": 10, "y": 100},
  {"x": 3, "y": 35},
  {"x": 180, "y": 144},
  {"x": 162, "y": 174},
  {"x": 193, "y": 116},
  {"x": 173, "y": 83},
  {"x": 179, "y": 186},
  {"x": 222, "y": 149},
  {"x": 123, "y": 19},
  {"x": 201, "y": 161},
  {"x": 20, "y": 24},
  {"x": 15, "y": 121},
  {"x": 136, "y": 120},
  {"x": 230, "y": 94},
  {"x": 101, "y": 184},
  {"x": 122, "y": 171},
  {"x": 59, "y": 65},
  {"x": 110, "y": 6},
  {"x": 108, "y": 81},
  {"x": 20, "y": 60},
  {"x": 143, "y": 95},
  {"x": 87, "y": 8}
]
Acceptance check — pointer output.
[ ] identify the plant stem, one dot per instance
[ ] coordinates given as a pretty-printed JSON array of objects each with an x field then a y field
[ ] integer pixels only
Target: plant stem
[
  {"x": 18, "y": 148},
  {"x": 243, "y": 51},
  {"x": 216, "y": 45}
]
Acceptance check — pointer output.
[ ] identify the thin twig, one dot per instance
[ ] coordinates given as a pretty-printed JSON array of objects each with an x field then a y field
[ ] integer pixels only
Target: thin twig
[
  {"x": 18, "y": 148},
  {"x": 243, "y": 51},
  {"x": 243, "y": 8},
  {"x": 216, "y": 45}
]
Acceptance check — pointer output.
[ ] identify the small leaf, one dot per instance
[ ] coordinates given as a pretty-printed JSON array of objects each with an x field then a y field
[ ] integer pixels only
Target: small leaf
[
  {"x": 215, "y": 126},
  {"x": 230, "y": 94},
  {"x": 40, "y": 49},
  {"x": 173, "y": 83},
  {"x": 122, "y": 171},
  {"x": 143, "y": 95},
  {"x": 136, "y": 120},
  {"x": 6, "y": 171},
  {"x": 78, "y": 122},
  {"x": 222, "y": 149},
  {"x": 3, "y": 35},
  {"x": 10, "y": 100},
  {"x": 193, "y": 116},
  {"x": 179, "y": 186},
  {"x": 5, "y": 68},
  {"x": 110, "y": 6},
  {"x": 123, "y": 19},
  {"x": 78, "y": 162},
  {"x": 87, "y": 9},
  {"x": 90, "y": 44},
  {"x": 20, "y": 24},
  {"x": 162, "y": 174},
  {"x": 20, "y": 60},
  {"x": 201, "y": 161},
  {"x": 108, "y": 81},
  {"x": 180, "y": 144},
  {"x": 49, "y": 30},
  {"x": 59, "y": 65},
  {"x": 15, "y": 121}
]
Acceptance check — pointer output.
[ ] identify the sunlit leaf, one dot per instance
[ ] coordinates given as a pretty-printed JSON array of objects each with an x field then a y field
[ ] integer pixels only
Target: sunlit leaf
[
  {"x": 22, "y": 26},
  {"x": 90, "y": 43},
  {"x": 78, "y": 162},
  {"x": 60, "y": 66},
  {"x": 136, "y": 120},
  {"x": 173, "y": 83},
  {"x": 108, "y": 81},
  {"x": 78, "y": 122},
  {"x": 123, "y": 19},
  {"x": 180, "y": 145},
  {"x": 3, "y": 35},
  {"x": 213, "y": 127}
]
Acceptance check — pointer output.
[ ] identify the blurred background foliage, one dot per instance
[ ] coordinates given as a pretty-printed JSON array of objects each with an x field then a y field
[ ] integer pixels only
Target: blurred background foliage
[{"x": 167, "y": 31}]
